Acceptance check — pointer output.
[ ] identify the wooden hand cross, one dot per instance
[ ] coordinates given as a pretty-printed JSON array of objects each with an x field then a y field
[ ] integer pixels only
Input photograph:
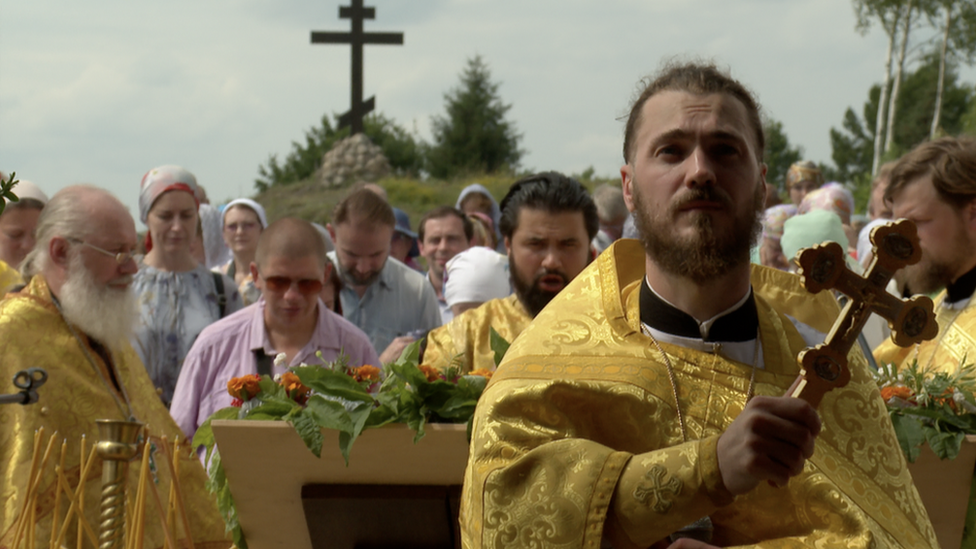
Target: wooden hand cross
[{"x": 824, "y": 367}]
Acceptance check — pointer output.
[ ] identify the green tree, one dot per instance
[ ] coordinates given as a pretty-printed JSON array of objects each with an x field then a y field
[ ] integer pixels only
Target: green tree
[
  {"x": 779, "y": 154},
  {"x": 402, "y": 150},
  {"x": 969, "y": 119},
  {"x": 853, "y": 145},
  {"x": 918, "y": 110},
  {"x": 957, "y": 20},
  {"x": 852, "y": 149},
  {"x": 887, "y": 13},
  {"x": 474, "y": 135}
]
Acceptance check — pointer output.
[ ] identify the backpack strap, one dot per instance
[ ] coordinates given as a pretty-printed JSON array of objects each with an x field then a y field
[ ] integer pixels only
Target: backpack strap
[
  {"x": 221, "y": 296},
  {"x": 265, "y": 363}
]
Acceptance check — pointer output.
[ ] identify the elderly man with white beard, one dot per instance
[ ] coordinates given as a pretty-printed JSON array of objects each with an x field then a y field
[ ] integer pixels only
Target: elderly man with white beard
[{"x": 74, "y": 319}]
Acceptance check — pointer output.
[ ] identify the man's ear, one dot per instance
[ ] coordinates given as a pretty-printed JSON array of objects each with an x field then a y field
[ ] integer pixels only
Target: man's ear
[
  {"x": 626, "y": 183},
  {"x": 331, "y": 230},
  {"x": 508, "y": 246},
  {"x": 254, "y": 272},
  {"x": 969, "y": 216},
  {"x": 58, "y": 250}
]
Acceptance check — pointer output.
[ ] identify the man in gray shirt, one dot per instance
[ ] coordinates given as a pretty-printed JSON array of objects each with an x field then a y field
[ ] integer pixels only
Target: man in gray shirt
[{"x": 389, "y": 301}]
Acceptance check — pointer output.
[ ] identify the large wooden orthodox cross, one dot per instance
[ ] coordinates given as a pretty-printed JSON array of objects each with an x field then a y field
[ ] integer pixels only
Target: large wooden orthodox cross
[
  {"x": 357, "y": 38},
  {"x": 824, "y": 367}
]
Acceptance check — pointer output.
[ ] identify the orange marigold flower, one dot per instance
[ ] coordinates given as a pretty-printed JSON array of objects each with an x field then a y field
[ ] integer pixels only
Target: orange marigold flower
[
  {"x": 365, "y": 373},
  {"x": 900, "y": 391},
  {"x": 294, "y": 387},
  {"x": 946, "y": 398},
  {"x": 431, "y": 373},
  {"x": 483, "y": 372},
  {"x": 244, "y": 387}
]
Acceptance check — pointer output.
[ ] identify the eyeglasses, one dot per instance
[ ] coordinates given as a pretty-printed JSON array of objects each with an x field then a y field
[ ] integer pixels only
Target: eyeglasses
[
  {"x": 120, "y": 257},
  {"x": 280, "y": 284}
]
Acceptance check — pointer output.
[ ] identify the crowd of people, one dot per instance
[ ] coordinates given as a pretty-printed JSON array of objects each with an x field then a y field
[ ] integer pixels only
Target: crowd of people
[{"x": 634, "y": 364}]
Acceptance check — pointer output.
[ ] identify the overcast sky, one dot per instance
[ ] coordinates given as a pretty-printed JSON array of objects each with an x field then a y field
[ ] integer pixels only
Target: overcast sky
[{"x": 103, "y": 90}]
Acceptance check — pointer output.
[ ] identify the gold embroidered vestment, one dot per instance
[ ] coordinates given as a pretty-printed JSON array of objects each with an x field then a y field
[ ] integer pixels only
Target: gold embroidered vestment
[
  {"x": 956, "y": 341},
  {"x": 580, "y": 417},
  {"x": 33, "y": 334},
  {"x": 465, "y": 341}
]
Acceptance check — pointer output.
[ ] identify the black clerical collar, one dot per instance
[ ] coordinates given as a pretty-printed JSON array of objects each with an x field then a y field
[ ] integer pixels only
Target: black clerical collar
[
  {"x": 962, "y": 288},
  {"x": 738, "y": 325}
]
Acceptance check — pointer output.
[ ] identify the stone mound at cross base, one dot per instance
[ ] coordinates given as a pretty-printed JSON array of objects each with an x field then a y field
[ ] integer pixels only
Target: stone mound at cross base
[{"x": 354, "y": 158}]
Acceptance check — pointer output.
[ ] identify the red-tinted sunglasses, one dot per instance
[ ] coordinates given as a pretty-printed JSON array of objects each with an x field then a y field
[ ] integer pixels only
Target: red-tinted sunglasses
[{"x": 280, "y": 284}]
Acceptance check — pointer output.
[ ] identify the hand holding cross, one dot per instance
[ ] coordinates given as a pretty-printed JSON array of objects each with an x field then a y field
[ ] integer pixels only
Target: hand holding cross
[{"x": 896, "y": 245}]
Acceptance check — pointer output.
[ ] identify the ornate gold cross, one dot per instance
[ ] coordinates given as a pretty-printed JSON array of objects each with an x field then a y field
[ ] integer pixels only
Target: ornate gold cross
[
  {"x": 824, "y": 367},
  {"x": 658, "y": 489}
]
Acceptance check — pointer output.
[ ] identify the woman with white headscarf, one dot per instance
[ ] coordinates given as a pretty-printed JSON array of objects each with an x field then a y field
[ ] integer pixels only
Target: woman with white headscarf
[
  {"x": 177, "y": 296},
  {"x": 244, "y": 220}
]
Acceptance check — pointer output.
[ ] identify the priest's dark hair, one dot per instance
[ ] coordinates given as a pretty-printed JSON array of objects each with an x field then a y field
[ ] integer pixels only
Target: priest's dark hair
[
  {"x": 696, "y": 78},
  {"x": 549, "y": 191}
]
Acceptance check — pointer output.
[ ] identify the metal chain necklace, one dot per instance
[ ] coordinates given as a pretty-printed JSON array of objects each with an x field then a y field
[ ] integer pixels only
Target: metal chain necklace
[{"x": 674, "y": 383}]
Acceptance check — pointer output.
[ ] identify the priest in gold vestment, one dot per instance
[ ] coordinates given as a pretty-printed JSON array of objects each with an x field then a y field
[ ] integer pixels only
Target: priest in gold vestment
[
  {"x": 644, "y": 404},
  {"x": 72, "y": 321},
  {"x": 547, "y": 222},
  {"x": 934, "y": 185}
]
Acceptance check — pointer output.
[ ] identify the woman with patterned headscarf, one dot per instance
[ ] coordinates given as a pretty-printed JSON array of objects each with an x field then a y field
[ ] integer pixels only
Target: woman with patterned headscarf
[
  {"x": 177, "y": 296},
  {"x": 770, "y": 250},
  {"x": 802, "y": 178}
]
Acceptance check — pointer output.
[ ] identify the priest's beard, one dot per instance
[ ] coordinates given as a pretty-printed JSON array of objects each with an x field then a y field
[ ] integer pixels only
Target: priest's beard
[
  {"x": 533, "y": 297},
  {"x": 707, "y": 254},
  {"x": 931, "y": 275},
  {"x": 106, "y": 313}
]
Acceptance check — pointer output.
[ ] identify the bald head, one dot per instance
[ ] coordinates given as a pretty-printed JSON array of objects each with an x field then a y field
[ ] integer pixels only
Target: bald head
[
  {"x": 292, "y": 238},
  {"x": 77, "y": 212}
]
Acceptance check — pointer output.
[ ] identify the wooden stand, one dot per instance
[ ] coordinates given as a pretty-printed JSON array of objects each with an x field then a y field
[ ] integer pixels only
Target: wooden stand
[
  {"x": 944, "y": 489},
  {"x": 282, "y": 491}
]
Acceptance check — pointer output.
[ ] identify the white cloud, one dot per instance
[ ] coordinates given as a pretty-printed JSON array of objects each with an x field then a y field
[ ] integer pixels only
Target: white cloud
[{"x": 103, "y": 90}]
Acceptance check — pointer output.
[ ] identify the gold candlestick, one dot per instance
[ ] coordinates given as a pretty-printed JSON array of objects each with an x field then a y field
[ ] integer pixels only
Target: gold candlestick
[{"x": 117, "y": 445}]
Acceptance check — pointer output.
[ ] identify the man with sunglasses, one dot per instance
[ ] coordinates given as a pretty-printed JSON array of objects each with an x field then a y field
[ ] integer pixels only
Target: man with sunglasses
[
  {"x": 74, "y": 319},
  {"x": 290, "y": 268}
]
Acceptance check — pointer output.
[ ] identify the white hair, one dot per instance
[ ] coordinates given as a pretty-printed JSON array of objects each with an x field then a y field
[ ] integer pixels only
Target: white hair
[{"x": 68, "y": 214}]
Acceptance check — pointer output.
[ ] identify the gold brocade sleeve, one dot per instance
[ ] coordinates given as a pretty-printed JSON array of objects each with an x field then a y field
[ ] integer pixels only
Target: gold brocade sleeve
[
  {"x": 465, "y": 341},
  {"x": 548, "y": 458},
  {"x": 662, "y": 491}
]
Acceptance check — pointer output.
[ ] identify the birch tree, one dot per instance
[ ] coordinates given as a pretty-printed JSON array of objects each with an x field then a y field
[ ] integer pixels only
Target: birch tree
[
  {"x": 958, "y": 30},
  {"x": 909, "y": 10},
  {"x": 887, "y": 14}
]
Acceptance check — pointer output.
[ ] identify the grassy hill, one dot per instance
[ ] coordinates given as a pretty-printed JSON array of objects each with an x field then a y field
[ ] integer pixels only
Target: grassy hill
[{"x": 311, "y": 201}]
